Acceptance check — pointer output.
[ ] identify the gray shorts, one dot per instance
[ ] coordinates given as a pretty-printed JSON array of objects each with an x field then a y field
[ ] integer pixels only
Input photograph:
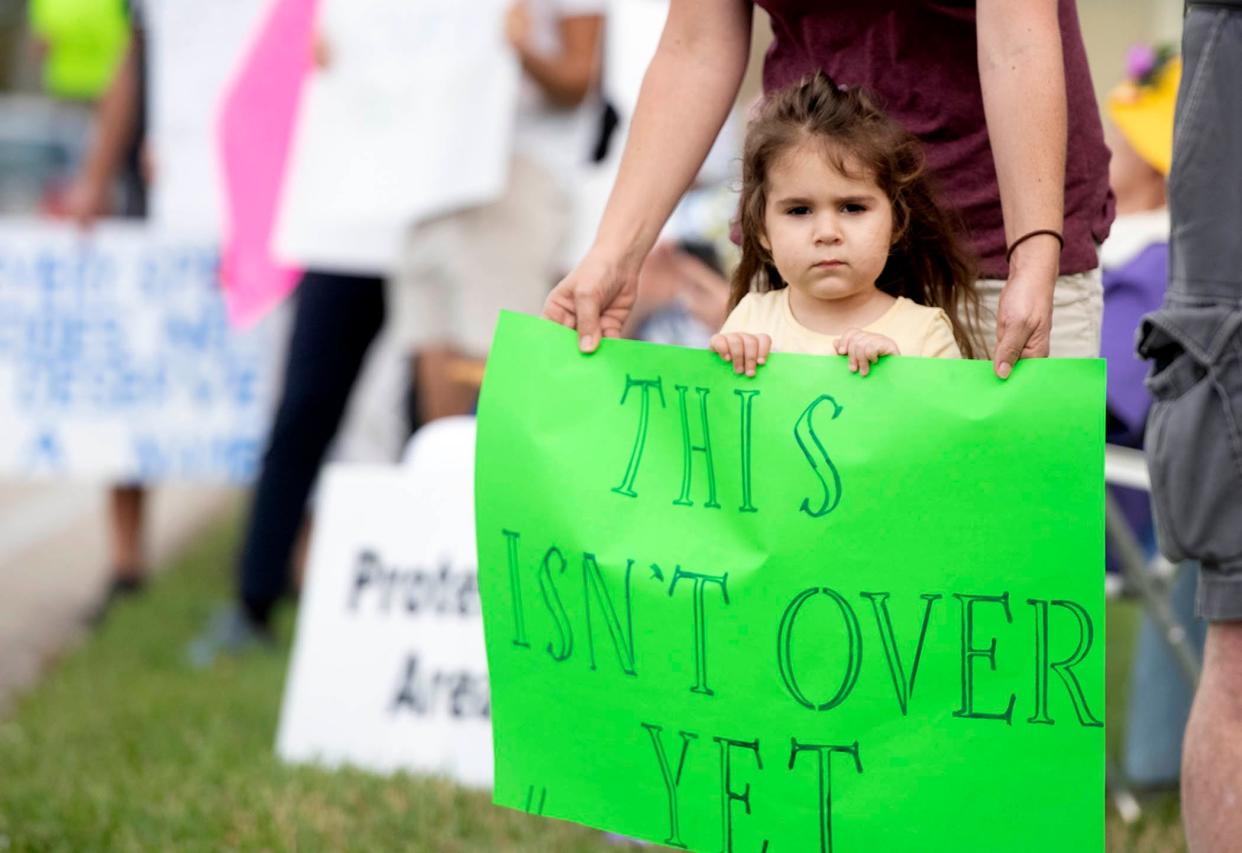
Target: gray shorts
[{"x": 1194, "y": 433}]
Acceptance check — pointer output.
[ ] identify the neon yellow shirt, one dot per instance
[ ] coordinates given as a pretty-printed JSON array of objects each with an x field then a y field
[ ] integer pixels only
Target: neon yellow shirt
[{"x": 85, "y": 39}]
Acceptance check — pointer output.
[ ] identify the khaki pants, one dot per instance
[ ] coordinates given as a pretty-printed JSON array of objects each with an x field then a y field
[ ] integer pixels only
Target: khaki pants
[
  {"x": 457, "y": 272},
  {"x": 1077, "y": 310}
]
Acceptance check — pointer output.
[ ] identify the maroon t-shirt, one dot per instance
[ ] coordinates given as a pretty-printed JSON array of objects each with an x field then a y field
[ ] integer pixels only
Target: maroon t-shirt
[{"x": 920, "y": 61}]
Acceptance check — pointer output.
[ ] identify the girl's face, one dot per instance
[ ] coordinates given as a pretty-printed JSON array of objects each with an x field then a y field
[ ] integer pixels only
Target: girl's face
[{"x": 829, "y": 234}]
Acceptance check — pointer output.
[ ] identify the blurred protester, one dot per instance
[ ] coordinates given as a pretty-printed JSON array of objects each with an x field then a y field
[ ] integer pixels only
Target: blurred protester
[
  {"x": 80, "y": 43},
  {"x": 110, "y": 181},
  {"x": 1194, "y": 435},
  {"x": 459, "y": 270},
  {"x": 1135, "y": 262},
  {"x": 683, "y": 286},
  {"x": 683, "y": 295},
  {"x": 456, "y": 274},
  {"x": 994, "y": 127},
  {"x": 1135, "y": 258}
]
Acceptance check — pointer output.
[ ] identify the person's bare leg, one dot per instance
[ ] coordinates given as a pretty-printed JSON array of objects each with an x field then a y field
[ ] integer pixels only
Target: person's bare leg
[
  {"x": 125, "y": 515},
  {"x": 1212, "y": 751},
  {"x": 441, "y": 393},
  {"x": 301, "y": 551}
]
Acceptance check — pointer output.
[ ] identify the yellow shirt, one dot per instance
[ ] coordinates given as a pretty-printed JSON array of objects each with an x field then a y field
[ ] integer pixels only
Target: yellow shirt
[
  {"x": 916, "y": 329},
  {"x": 86, "y": 40}
]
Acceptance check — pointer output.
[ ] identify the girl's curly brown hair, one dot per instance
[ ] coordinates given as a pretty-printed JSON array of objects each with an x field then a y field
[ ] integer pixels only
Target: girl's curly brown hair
[{"x": 928, "y": 262}]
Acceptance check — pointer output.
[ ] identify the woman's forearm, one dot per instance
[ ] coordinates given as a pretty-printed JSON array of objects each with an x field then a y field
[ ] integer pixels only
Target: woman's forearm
[
  {"x": 1022, "y": 73},
  {"x": 686, "y": 95}
]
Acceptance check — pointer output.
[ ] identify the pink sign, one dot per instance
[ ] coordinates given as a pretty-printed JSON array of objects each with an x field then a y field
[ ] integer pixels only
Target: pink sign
[{"x": 257, "y": 121}]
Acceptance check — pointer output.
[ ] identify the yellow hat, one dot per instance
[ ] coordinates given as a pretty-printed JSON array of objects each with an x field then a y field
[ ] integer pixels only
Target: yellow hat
[{"x": 1144, "y": 114}]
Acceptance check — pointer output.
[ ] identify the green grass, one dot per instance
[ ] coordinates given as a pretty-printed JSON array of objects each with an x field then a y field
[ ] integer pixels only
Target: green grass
[
  {"x": 123, "y": 747},
  {"x": 1159, "y": 829}
]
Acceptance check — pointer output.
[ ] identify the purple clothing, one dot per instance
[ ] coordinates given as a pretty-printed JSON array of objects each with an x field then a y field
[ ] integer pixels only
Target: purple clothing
[
  {"x": 1131, "y": 290},
  {"x": 920, "y": 60}
]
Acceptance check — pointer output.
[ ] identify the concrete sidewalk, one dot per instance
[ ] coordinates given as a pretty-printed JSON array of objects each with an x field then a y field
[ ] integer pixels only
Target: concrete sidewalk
[{"x": 54, "y": 563}]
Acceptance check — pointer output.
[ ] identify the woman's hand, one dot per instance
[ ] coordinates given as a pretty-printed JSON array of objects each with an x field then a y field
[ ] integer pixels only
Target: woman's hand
[
  {"x": 745, "y": 350},
  {"x": 595, "y": 298},
  {"x": 1024, "y": 314},
  {"x": 864, "y": 349}
]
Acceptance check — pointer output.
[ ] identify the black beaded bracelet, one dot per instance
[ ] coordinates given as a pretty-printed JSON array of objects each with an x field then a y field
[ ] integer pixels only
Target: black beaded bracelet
[{"x": 1029, "y": 235}]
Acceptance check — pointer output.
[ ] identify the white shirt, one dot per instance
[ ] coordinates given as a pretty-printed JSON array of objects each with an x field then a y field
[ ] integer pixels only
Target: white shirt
[{"x": 556, "y": 137}]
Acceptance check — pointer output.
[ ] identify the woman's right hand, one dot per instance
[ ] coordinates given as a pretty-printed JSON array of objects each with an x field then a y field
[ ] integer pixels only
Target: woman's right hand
[{"x": 595, "y": 298}]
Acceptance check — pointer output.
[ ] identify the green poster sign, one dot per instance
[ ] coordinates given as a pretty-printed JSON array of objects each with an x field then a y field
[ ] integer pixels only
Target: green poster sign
[{"x": 804, "y": 611}]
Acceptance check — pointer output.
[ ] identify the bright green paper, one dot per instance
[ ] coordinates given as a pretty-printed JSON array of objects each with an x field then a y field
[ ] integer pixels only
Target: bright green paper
[{"x": 803, "y": 611}]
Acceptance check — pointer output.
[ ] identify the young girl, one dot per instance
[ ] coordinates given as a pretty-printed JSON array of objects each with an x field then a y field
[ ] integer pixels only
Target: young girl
[{"x": 844, "y": 250}]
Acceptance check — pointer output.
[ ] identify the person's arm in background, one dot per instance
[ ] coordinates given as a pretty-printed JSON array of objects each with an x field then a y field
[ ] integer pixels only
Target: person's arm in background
[
  {"x": 1022, "y": 74},
  {"x": 116, "y": 117},
  {"x": 687, "y": 92},
  {"x": 566, "y": 77}
]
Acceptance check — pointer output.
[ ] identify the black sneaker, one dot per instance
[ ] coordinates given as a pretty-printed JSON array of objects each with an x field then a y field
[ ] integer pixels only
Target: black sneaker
[{"x": 120, "y": 587}]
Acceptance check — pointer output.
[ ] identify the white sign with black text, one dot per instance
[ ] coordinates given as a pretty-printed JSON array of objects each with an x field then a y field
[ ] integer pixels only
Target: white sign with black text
[{"x": 389, "y": 670}]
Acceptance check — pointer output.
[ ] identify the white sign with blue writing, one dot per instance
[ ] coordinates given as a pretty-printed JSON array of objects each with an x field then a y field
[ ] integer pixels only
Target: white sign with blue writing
[{"x": 117, "y": 360}]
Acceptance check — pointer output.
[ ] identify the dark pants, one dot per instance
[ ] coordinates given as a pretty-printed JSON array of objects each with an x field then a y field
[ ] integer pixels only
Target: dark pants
[{"x": 337, "y": 317}]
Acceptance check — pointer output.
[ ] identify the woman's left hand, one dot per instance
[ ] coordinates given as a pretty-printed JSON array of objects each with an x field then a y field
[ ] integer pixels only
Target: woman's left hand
[{"x": 1024, "y": 318}]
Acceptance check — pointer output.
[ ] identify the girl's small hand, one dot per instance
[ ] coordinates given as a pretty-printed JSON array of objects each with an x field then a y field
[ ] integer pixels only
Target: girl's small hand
[
  {"x": 746, "y": 351},
  {"x": 864, "y": 349}
]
